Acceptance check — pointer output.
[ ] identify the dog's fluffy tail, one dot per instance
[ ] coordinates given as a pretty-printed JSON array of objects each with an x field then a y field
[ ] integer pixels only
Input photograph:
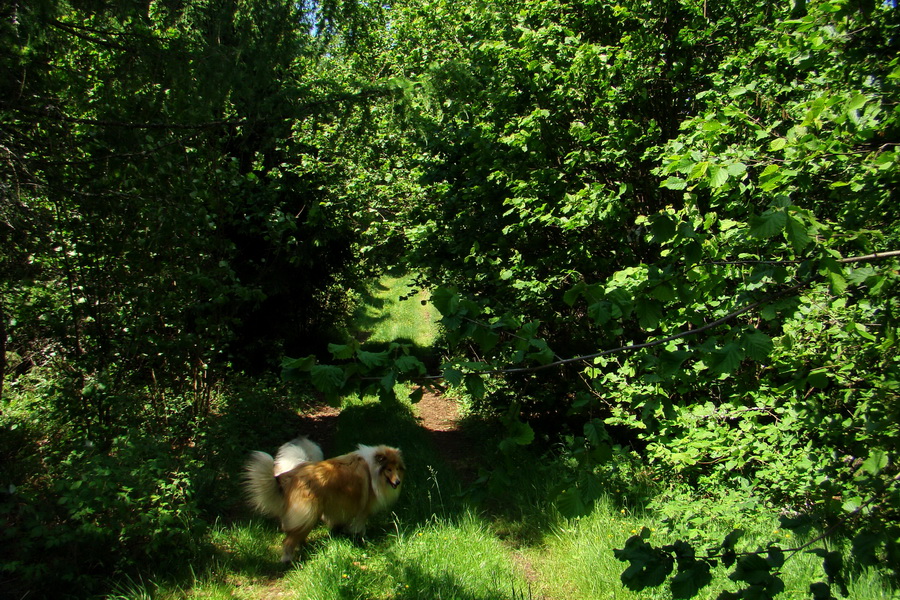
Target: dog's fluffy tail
[
  {"x": 295, "y": 452},
  {"x": 262, "y": 488}
]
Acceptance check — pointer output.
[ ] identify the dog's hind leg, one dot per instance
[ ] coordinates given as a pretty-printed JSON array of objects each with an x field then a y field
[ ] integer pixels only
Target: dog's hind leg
[{"x": 292, "y": 540}]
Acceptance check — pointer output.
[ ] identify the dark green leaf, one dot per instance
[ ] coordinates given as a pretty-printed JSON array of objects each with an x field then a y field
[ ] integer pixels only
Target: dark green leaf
[
  {"x": 797, "y": 234},
  {"x": 726, "y": 360},
  {"x": 648, "y": 312},
  {"x": 674, "y": 183},
  {"x": 453, "y": 376},
  {"x": 865, "y": 547},
  {"x": 475, "y": 385},
  {"x": 821, "y": 591},
  {"x": 407, "y": 363},
  {"x": 595, "y": 432},
  {"x": 327, "y": 378},
  {"x": 752, "y": 569},
  {"x": 876, "y": 462},
  {"x": 342, "y": 351},
  {"x": 768, "y": 224},
  {"x": 757, "y": 345},
  {"x": 373, "y": 359},
  {"x": 299, "y": 364}
]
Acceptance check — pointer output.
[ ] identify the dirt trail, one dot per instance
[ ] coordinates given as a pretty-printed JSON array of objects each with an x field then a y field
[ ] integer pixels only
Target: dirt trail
[
  {"x": 439, "y": 415},
  {"x": 436, "y": 414}
]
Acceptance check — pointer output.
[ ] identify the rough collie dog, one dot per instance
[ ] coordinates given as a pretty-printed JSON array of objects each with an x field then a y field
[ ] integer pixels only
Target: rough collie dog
[{"x": 300, "y": 488}]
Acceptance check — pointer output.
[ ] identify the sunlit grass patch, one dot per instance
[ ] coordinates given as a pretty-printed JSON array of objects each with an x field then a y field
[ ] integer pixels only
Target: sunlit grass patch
[
  {"x": 391, "y": 309},
  {"x": 578, "y": 560},
  {"x": 437, "y": 560}
]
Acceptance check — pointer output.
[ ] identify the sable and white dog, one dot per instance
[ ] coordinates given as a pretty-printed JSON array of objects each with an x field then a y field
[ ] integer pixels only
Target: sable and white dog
[{"x": 300, "y": 488}]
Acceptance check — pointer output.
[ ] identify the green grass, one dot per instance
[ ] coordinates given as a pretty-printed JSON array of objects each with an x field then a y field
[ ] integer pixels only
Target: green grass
[
  {"x": 577, "y": 560},
  {"x": 386, "y": 314}
]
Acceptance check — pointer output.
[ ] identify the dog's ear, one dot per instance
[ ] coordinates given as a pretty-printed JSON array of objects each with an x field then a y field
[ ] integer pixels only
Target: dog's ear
[{"x": 381, "y": 459}]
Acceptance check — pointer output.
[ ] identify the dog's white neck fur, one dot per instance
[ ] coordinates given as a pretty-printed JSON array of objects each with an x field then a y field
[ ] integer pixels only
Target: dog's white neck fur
[{"x": 385, "y": 495}]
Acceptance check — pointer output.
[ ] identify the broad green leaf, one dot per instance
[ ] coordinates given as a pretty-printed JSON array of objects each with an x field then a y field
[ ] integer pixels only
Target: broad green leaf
[
  {"x": 299, "y": 364},
  {"x": 595, "y": 432},
  {"x": 407, "y": 363},
  {"x": 837, "y": 282},
  {"x": 387, "y": 384},
  {"x": 856, "y": 102},
  {"x": 797, "y": 234},
  {"x": 600, "y": 312},
  {"x": 775, "y": 557},
  {"x": 475, "y": 385},
  {"x": 574, "y": 293},
  {"x": 751, "y": 568},
  {"x": 726, "y": 360},
  {"x": 718, "y": 176},
  {"x": 445, "y": 300},
  {"x": 373, "y": 359},
  {"x": 876, "y": 462},
  {"x": 648, "y": 566},
  {"x": 699, "y": 170},
  {"x": 757, "y": 345},
  {"x": 818, "y": 378},
  {"x": 688, "y": 582},
  {"x": 570, "y": 504},
  {"x": 542, "y": 354},
  {"x": 327, "y": 378},
  {"x": 777, "y": 144},
  {"x": 453, "y": 376},
  {"x": 670, "y": 362},
  {"x": 486, "y": 339},
  {"x": 736, "y": 169},
  {"x": 866, "y": 545},
  {"x": 649, "y": 312},
  {"x": 342, "y": 351},
  {"x": 821, "y": 591},
  {"x": 768, "y": 224},
  {"x": 663, "y": 292},
  {"x": 663, "y": 228},
  {"x": 520, "y": 432},
  {"x": 674, "y": 183}
]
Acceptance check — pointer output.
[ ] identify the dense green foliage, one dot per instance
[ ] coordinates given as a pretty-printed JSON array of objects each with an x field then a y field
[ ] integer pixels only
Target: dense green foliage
[
  {"x": 662, "y": 237},
  {"x": 685, "y": 200},
  {"x": 168, "y": 222}
]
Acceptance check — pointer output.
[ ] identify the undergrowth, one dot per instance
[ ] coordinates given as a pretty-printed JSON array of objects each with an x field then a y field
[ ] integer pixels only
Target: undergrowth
[{"x": 163, "y": 516}]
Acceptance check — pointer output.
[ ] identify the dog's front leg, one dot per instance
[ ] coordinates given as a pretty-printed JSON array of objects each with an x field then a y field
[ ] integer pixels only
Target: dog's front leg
[{"x": 357, "y": 526}]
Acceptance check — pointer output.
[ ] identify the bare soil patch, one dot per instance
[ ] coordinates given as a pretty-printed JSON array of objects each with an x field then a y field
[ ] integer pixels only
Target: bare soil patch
[
  {"x": 435, "y": 413},
  {"x": 439, "y": 415}
]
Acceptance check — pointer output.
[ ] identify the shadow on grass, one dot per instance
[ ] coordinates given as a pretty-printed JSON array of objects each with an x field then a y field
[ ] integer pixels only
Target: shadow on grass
[
  {"x": 510, "y": 490},
  {"x": 423, "y": 584},
  {"x": 370, "y": 312}
]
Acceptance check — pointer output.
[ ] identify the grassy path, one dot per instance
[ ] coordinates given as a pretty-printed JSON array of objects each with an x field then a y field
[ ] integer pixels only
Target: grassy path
[{"x": 434, "y": 544}]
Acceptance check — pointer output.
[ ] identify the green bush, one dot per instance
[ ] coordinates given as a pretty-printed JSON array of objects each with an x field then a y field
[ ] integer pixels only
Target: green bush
[{"x": 94, "y": 513}]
